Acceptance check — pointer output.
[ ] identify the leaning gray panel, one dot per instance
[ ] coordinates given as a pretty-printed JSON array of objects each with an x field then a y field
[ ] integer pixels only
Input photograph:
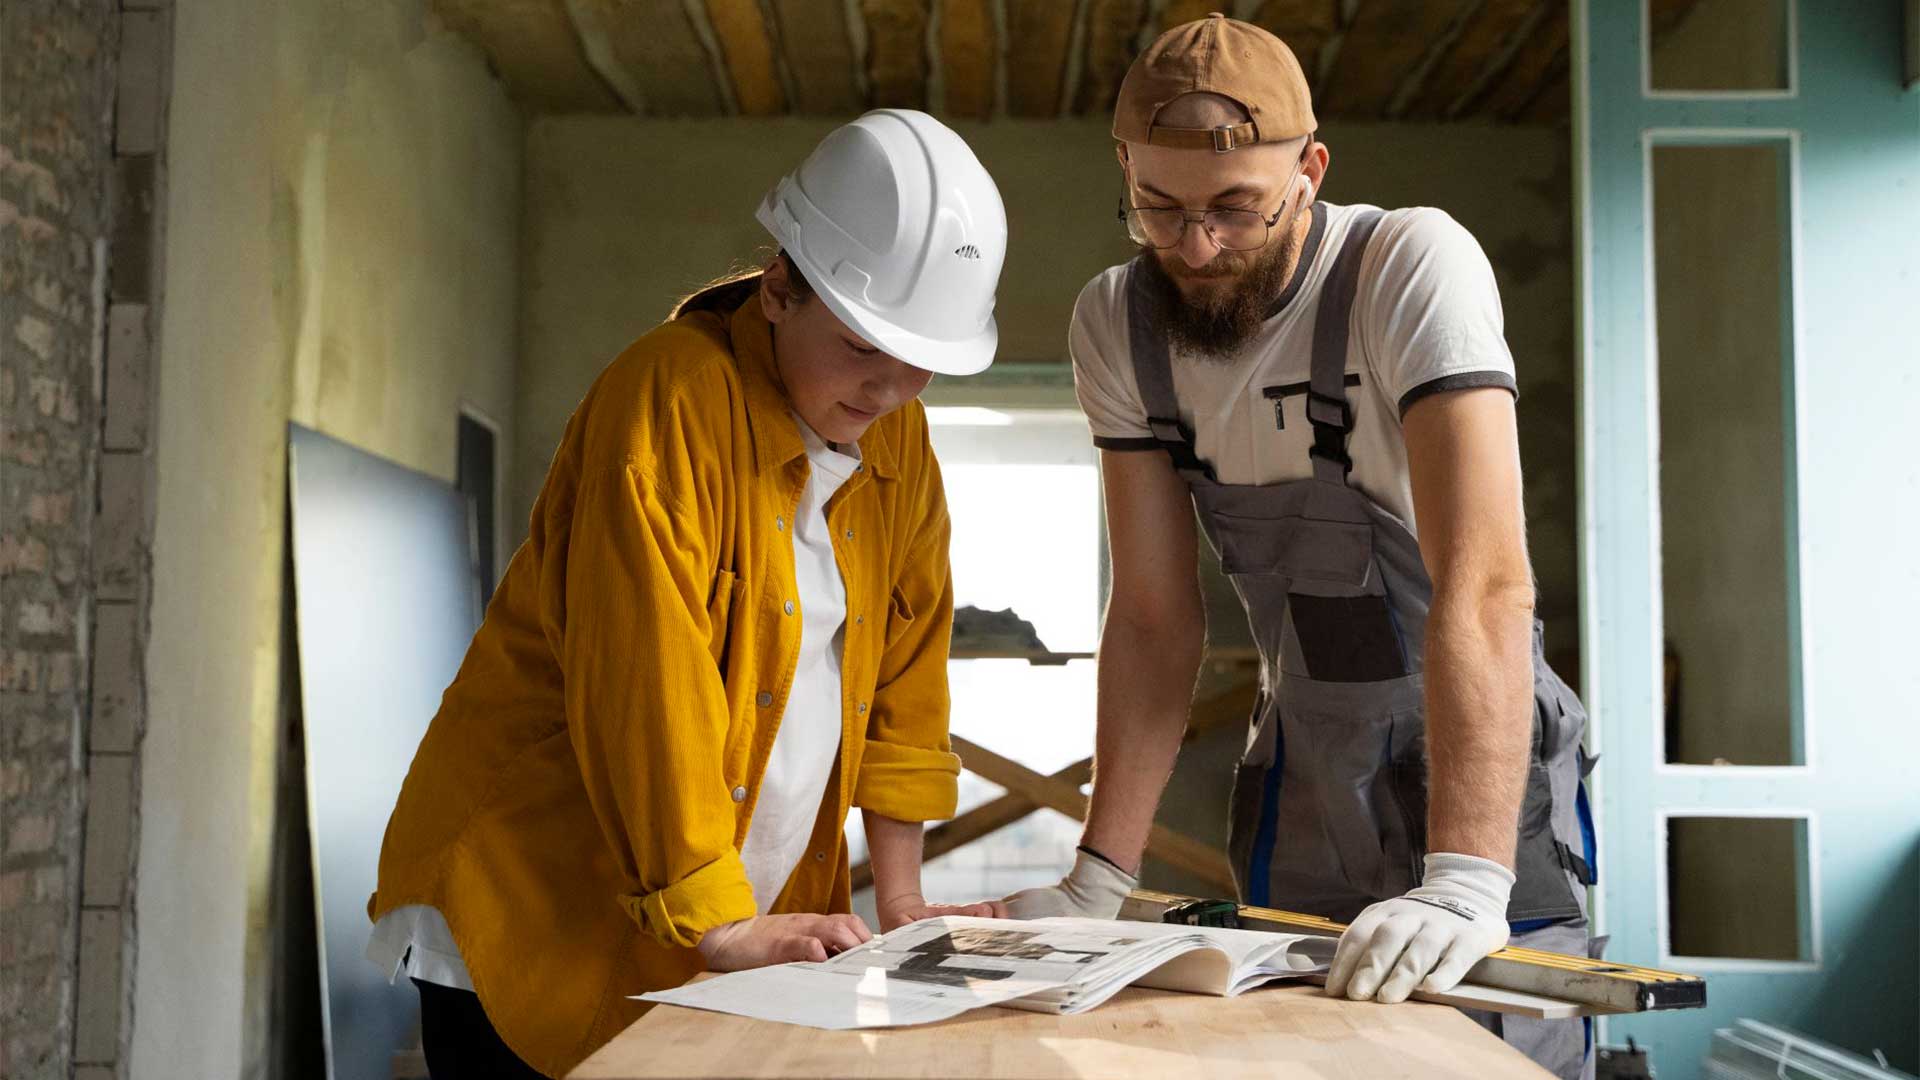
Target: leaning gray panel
[{"x": 386, "y": 600}]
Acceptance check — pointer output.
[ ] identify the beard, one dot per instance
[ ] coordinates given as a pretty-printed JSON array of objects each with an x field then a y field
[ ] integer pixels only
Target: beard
[{"x": 1224, "y": 302}]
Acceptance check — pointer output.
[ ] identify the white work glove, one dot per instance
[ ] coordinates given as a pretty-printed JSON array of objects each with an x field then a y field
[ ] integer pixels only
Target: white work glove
[
  {"x": 1427, "y": 938},
  {"x": 1094, "y": 890}
]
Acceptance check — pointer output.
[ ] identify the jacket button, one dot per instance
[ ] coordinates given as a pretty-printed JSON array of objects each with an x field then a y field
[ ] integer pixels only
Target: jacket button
[
  {"x": 819, "y": 856},
  {"x": 849, "y": 534},
  {"x": 763, "y": 699},
  {"x": 739, "y": 794},
  {"x": 861, "y": 709},
  {"x": 789, "y": 607},
  {"x": 779, "y": 523},
  {"x": 859, "y": 620}
]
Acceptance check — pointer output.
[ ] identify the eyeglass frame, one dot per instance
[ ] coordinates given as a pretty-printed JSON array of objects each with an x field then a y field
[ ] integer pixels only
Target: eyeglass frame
[{"x": 1188, "y": 217}]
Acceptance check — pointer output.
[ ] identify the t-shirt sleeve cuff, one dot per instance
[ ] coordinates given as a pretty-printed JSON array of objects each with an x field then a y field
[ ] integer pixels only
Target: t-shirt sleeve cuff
[
  {"x": 1460, "y": 380},
  {"x": 1124, "y": 442}
]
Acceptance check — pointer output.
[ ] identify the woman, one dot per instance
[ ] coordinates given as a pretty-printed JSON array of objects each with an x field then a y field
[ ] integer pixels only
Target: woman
[{"x": 728, "y": 625}]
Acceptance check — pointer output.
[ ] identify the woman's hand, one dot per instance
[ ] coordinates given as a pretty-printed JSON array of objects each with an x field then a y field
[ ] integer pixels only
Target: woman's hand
[
  {"x": 912, "y": 907},
  {"x": 780, "y": 939}
]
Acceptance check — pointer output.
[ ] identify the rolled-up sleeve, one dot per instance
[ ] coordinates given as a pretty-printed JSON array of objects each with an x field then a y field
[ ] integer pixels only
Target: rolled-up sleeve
[
  {"x": 645, "y": 705},
  {"x": 908, "y": 770}
]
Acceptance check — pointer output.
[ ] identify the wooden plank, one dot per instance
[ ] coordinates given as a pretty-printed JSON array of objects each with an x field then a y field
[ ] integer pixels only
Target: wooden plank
[
  {"x": 1180, "y": 852},
  {"x": 746, "y": 45},
  {"x": 1038, "y": 33},
  {"x": 969, "y": 55},
  {"x": 983, "y": 820},
  {"x": 813, "y": 37},
  {"x": 1307, "y": 26},
  {"x": 1387, "y": 42},
  {"x": 1292, "y": 1031},
  {"x": 1112, "y": 28},
  {"x": 655, "y": 44},
  {"x": 896, "y": 53},
  {"x": 1491, "y": 34},
  {"x": 532, "y": 44},
  {"x": 1529, "y": 71}
]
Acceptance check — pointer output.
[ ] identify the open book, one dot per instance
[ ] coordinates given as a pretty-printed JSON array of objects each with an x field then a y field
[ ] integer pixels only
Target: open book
[{"x": 940, "y": 968}]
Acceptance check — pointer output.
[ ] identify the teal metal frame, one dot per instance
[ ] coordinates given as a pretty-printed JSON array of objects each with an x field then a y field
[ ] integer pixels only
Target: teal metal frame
[{"x": 1852, "y": 393}]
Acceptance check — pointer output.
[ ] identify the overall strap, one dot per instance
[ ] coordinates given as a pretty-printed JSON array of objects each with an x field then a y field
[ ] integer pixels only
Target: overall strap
[
  {"x": 1153, "y": 373},
  {"x": 1327, "y": 406}
]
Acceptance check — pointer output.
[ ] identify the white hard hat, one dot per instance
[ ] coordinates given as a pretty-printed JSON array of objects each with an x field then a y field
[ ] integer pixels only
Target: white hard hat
[{"x": 901, "y": 232}]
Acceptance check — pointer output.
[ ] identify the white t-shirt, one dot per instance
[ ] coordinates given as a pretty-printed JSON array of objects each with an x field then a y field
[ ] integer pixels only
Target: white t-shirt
[
  {"x": 415, "y": 938},
  {"x": 809, "y": 737},
  {"x": 1426, "y": 318}
]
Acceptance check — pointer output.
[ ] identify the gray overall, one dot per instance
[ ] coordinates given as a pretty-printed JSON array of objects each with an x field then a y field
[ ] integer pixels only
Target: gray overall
[{"x": 1329, "y": 809}]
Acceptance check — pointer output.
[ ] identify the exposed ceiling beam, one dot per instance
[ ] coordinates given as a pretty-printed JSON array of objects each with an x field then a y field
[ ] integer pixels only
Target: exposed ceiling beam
[
  {"x": 1177, "y": 12},
  {"x": 818, "y": 49},
  {"x": 896, "y": 53},
  {"x": 1485, "y": 37},
  {"x": 1305, "y": 25},
  {"x": 1112, "y": 28},
  {"x": 1076, "y": 65},
  {"x": 1415, "y": 83},
  {"x": 742, "y": 32},
  {"x": 532, "y": 44},
  {"x": 600, "y": 55},
  {"x": 1530, "y": 69},
  {"x": 652, "y": 46},
  {"x": 696, "y": 11},
  {"x": 1553, "y": 103},
  {"x": 1387, "y": 42},
  {"x": 969, "y": 51},
  {"x": 1038, "y": 32}
]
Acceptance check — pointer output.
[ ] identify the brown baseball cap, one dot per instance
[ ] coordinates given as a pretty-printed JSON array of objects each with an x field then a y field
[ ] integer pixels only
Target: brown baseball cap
[{"x": 1216, "y": 55}]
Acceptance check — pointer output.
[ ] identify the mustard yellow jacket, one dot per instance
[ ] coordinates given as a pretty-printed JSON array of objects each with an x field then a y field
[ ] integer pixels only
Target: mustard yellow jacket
[{"x": 577, "y": 806}]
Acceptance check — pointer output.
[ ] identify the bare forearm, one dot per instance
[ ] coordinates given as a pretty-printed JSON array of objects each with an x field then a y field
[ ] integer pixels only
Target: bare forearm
[
  {"x": 893, "y": 848},
  {"x": 1479, "y": 691},
  {"x": 1145, "y": 689}
]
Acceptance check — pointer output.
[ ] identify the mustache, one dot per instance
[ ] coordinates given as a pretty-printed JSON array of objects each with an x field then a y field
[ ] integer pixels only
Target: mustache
[{"x": 1223, "y": 265}]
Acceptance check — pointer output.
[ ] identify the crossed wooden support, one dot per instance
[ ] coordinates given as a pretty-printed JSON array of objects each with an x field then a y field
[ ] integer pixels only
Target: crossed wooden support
[{"x": 1029, "y": 790}]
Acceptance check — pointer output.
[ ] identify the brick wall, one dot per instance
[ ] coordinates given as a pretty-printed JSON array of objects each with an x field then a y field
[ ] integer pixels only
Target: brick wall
[
  {"x": 56, "y": 86},
  {"x": 81, "y": 84}
]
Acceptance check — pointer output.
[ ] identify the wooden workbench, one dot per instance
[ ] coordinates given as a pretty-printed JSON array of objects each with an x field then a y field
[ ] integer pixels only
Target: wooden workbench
[{"x": 1292, "y": 1031}]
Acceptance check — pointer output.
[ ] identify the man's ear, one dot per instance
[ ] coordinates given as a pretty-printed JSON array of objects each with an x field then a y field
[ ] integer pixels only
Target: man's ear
[{"x": 776, "y": 291}]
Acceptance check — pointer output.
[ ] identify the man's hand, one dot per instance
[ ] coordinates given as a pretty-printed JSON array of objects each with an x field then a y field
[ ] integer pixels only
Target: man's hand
[
  {"x": 1427, "y": 938},
  {"x": 912, "y": 907},
  {"x": 780, "y": 939},
  {"x": 1094, "y": 889}
]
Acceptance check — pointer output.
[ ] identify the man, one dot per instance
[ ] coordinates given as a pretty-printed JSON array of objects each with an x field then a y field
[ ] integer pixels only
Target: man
[{"x": 1316, "y": 379}]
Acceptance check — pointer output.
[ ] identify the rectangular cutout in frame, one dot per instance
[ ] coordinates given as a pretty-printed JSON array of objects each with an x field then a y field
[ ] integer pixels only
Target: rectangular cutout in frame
[
  {"x": 1739, "y": 888},
  {"x": 1723, "y": 302},
  {"x": 1718, "y": 48}
]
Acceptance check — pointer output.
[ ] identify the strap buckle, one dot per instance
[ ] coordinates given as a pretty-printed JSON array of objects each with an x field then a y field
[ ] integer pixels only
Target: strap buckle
[{"x": 1318, "y": 403}]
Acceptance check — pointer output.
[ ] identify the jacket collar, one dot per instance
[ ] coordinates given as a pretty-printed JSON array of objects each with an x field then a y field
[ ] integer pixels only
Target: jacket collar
[{"x": 776, "y": 436}]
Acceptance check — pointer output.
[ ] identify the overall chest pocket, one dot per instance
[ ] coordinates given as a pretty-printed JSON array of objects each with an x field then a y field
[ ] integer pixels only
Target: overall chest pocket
[{"x": 1338, "y": 553}]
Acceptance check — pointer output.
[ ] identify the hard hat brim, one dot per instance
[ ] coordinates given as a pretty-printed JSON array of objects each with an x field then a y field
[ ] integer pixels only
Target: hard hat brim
[{"x": 968, "y": 356}]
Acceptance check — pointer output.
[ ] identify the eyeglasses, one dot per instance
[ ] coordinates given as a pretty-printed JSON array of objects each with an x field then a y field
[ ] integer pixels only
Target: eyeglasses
[{"x": 1161, "y": 227}]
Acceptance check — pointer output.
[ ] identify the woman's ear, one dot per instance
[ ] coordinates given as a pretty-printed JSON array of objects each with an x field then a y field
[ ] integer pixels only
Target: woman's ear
[{"x": 776, "y": 292}]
